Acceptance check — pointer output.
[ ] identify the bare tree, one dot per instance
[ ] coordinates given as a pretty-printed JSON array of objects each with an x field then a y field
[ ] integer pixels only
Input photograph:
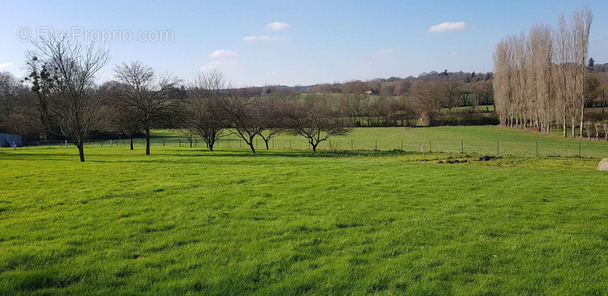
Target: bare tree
[
  {"x": 540, "y": 78},
  {"x": 581, "y": 27},
  {"x": 203, "y": 113},
  {"x": 428, "y": 98},
  {"x": 10, "y": 90},
  {"x": 271, "y": 114},
  {"x": 147, "y": 95},
  {"x": 66, "y": 81},
  {"x": 240, "y": 110},
  {"x": 123, "y": 118},
  {"x": 315, "y": 120}
]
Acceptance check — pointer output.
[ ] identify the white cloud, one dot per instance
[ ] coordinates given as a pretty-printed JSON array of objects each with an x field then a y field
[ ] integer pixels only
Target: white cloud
[
  {"x": 277, "y": 26},
  {"x": 5, "y": 65},
  {"x": 261, "y": 38},
  {"x": 271, "y": 74},
  {"x": 218, "y": 64},
  {"x": 448, "y": 26},
  {"x": 221, "y": 54},
  {"x": 385, "y": 52}
]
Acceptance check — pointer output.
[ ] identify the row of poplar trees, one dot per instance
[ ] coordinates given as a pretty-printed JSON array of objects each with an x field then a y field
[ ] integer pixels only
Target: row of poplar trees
[{"x": 539, "y": 77}]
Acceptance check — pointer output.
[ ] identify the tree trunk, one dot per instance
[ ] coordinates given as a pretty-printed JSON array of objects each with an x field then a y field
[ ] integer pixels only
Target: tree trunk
[
  {"x": 131, "y": 140},
  {"x": 314, "y": 146},
  {"x": 81, "y": 151},
  {"x": 147, "y": 141},
  {"x": 266, "y": 141}
]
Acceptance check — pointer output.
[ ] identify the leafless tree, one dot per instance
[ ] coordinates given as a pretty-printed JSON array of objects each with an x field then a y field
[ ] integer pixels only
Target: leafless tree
[
  {"x": 314, "y": 120},
  {"x": 147, "y": 95},
  {"x": 122, "y": 118},
  {"x": 242, "y": 116},
  {"x": 271, "y": 114},
  {"x": 428, "y": 98},
  {"x": 10, "y": 90},
  {"x": 540, "y": 78},
  {"x": 203, "y": 112},
  {"x": 65, "y": 79}
]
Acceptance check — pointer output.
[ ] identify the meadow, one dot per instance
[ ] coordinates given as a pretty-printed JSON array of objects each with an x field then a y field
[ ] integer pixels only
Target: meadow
[
  {"x": 491, "y": 140},
  {"x": 228, "y": 222}
]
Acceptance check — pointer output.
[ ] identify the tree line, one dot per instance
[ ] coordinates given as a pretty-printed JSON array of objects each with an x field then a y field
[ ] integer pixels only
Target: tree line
[{"x": 541, "y": 79}]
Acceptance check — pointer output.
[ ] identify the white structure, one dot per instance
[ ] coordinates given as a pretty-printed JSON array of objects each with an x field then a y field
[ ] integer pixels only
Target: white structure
[{"x": 603, "y": 166}]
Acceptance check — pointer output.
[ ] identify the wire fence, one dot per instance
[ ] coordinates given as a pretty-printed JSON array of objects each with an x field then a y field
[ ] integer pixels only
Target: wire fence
[{"x": 571, "y": 148}]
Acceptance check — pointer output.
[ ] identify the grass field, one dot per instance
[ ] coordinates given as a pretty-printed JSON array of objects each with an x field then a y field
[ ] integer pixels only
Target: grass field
[
  {"x": 187, "y": 221},
  {"x": 490, "y": 140}
]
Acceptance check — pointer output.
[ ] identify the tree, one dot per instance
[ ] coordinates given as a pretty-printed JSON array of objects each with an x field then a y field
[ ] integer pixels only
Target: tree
[
  {"x": 241, "y": 114},
  {"x": 540, "y": 78},
  {"x": 203, "y": 114},
  {"x": 428, "y": 99},
  {"x": 63, "y": 74},
  {"x": 123, "y": 119},
  {"x": 315, "y": 120},
  {"x": 10, "y": 90},
  {"x": 591, "y": 63},
  {"x": 270, "y": 112},
  {"x": 451, "y": 90},
  {"x": 146, "y": 96}
]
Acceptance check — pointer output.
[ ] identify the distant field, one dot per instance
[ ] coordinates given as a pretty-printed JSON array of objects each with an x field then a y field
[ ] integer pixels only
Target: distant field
[
  {"x": 491, "y": 140},
  {"x": 184, "y": 221}
]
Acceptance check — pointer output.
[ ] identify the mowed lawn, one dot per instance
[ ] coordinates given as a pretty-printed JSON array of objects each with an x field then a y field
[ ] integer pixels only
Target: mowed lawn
[{"x": 188, "y": 221}]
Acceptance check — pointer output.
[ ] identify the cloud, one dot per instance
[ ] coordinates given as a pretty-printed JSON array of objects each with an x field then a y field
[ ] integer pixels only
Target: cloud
[
  {"x": 222, "y": 54},
  {"x": 447, "y": 27},
  {"x": 218, "y": 64},
  {"x": 277, "y": 26},
  {"x": 261, "y": 38},
  {"x": 271, "y": 74},
  {"x": 5, "y": 65},
  {"x": 385, "y": 52}
]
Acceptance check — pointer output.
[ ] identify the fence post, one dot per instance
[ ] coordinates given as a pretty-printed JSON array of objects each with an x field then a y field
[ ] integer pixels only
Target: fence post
[
  {"x": 536, "y": 148},
  {"x": 498, "y": 147},
  {"x": 351, "y": 144},
  {"x": 163, "y": 142},
  {"x": 376, "y": 144},
  {"x": 66, "y": 144},
  {"x": 272, "y": 143},
  {"x": 401, "y": 144},
  {"x": 289, "y": 143},
  {"x": 111, "y": 143},
  {"x": 329, "y": 144},
  {"x": 195, "y": 144},
  {"x": 430, "y": 146},
  {"x": 14, "y": 145},
  {"x": 179, "y": 141},
  {"x": 579, "y": 149},
  {"x": 461, "y": 146}
]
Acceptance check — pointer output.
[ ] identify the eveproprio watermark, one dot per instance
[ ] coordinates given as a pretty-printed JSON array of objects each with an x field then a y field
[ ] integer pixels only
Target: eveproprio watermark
[{"x": 42, "y": 33}]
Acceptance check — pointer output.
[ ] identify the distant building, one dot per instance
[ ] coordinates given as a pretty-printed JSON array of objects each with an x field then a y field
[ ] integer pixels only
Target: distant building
[{"x": 6, "y": 140}]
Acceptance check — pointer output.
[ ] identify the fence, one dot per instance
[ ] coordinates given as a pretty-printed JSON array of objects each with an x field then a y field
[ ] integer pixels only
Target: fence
[{"x": 547, "y": 148}]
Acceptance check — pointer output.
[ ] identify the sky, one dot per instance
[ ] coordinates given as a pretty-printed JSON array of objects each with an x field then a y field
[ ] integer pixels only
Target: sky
[{"x": 289, "y": 42}]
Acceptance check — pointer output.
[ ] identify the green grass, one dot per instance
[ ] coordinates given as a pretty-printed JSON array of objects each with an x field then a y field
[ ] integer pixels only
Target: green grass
[
  {"x": 485, "y": 140},
  {"x": 187, "y": 221}
]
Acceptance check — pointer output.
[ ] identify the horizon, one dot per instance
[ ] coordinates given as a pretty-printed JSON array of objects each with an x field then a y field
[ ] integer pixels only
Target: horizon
[{"x": 275, "y": 43}]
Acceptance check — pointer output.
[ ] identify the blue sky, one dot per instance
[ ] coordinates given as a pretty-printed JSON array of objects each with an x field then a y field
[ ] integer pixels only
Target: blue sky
[{"x": 312, "y": 42}]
